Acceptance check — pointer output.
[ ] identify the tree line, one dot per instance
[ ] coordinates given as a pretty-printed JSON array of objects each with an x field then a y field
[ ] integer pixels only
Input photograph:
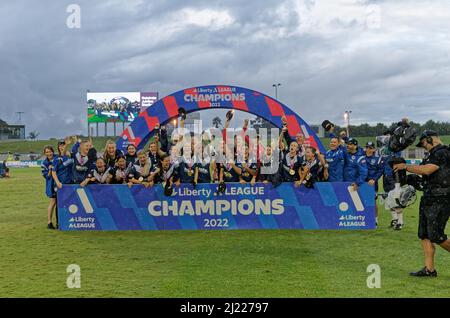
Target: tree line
[{"x": 365, "y": 130}]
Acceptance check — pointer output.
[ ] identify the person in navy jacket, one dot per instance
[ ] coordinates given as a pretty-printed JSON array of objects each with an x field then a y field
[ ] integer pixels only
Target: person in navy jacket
[
  {"x": 355, "y": 168},
  {"x": 47, "y": 171},
  {"x": 335, "y": 158},
  {"x": 375, "y": 167}
]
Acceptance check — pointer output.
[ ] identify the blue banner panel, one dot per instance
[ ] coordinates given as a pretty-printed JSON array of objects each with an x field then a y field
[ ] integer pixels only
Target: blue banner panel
[{"x": 331, "y": 206}]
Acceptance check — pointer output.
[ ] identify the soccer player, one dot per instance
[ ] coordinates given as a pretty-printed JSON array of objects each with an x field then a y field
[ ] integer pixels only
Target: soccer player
[
  {"x": 47, "y": 173},
  {"x": 311, "y": 167},
  {"x": 300, "y": 139},
  {"x": 204, "y": 167},
  {"x": 99, "y": 175},
  {"x": 355, "y": 168},
  {"x": 154, "y": 154},
  {"x": 290, "y": 163},
  {"x": 111, "y": 153},
  {"x": 228, "y": 172},
  {"x": 83, "y": 162},
  {"x": 166, "y": 172},
  {"x": 246, "y": 167},
  {"x": 144, "y": 168},
  {"x": 375, "y": 168},
  {"x": 123, "y": 174},
  {"x": 186, "y": 164},
  {"x": 131, "y": 157},
  {"x": 335, "y": 158}
]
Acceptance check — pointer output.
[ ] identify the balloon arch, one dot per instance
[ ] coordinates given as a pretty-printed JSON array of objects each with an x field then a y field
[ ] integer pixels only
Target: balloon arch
[{"x": 212, "y": 97}]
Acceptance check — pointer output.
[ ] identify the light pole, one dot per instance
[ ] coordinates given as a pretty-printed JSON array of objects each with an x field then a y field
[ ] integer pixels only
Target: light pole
[
  {"x": 20, "y": 116},
  {"x": 347, "y": 121},
  {"x": 276, "y": 89}
]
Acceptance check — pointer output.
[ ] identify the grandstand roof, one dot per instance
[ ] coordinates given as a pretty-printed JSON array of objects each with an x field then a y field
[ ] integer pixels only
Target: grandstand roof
[{"x": 3, "y": 123}]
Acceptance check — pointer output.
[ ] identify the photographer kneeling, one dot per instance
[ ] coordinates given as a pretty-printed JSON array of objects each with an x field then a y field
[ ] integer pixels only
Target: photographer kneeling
[{"x": 434, "y": 208}]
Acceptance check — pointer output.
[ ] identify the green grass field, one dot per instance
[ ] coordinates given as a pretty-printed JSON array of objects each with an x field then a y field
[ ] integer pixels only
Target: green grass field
[{"x": 258, "y": 263}]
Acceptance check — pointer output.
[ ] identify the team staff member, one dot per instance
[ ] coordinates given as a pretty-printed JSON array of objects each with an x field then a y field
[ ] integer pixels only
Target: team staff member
[
  {"x": 355, "y": 168},
  {"x": 335, "y": 158},
  {"x": 434, "y": 208},
  {"x": 99, "y": 175},
  {"x": 47, "y": 173},
  {"x": 375, "y": 168}
]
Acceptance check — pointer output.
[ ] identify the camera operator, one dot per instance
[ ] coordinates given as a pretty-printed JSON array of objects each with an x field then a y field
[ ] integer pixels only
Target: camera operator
[{"x": 434, "y": 205}]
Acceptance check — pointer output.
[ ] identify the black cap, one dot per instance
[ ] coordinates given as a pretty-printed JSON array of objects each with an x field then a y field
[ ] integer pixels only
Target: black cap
[
  {"x": 61, "y": 142},
  {"x": 425, "y": 134},
  {"x": 370, "y": 144},
  {"x": 352, "y": 141}
]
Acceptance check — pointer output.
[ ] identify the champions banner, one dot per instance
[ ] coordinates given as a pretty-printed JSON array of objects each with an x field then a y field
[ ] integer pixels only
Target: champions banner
[{"x": 332, "y": 206}]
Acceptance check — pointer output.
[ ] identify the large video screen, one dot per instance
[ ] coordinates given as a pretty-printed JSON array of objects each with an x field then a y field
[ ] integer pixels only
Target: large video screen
[{"x": 116, "y": 106}]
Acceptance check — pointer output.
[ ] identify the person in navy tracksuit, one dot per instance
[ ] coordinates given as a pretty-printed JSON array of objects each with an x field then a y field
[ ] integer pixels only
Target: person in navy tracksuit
[
  {"x": 389, "y": 185},
  {"x": 47, "y": 171},
  {"x": 375, "y": 167},
  {"x": 335, "y": 158},
  {"x": 355, "y": 168}
]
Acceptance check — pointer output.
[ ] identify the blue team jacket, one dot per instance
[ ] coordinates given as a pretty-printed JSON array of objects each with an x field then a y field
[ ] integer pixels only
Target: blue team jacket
[
  {"x": 335, "y": 160},
  {"x": 49, "y": 182},
  {"x": 63, "y": 166},
  {"x": 355, "y": 168},
  {"x": 375, "y": 167}
]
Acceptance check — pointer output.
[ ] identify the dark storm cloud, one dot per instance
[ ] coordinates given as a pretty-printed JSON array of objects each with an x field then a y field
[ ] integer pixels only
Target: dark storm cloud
[{"x": 381, "y": 59}]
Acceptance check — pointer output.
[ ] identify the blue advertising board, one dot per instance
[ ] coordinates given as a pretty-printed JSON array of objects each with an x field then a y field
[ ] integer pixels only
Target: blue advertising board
[{"x": 333, "y": 206}]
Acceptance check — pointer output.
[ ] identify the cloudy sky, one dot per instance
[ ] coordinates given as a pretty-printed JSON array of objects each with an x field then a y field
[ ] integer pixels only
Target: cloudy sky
[{"x": 381, "y": 59}]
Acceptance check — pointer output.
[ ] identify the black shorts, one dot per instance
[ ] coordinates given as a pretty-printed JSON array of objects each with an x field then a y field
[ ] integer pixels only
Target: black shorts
[{"x": 434, "y": 213}]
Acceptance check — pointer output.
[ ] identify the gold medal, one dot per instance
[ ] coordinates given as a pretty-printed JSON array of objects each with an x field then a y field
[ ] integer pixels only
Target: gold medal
[
  {"x": 190, "y": 173},
  {"x": 246, "y": 174},
  {"x": 227, "y": 174},
  {"x": 291, "y": 172}
]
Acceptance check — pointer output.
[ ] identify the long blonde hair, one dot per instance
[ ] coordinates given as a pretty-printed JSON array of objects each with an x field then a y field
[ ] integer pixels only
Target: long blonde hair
[{"x": 106, "y": 155}]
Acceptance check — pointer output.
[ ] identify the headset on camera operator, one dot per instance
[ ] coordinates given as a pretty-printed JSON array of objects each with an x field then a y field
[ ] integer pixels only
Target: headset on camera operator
[{"x": 434, "y": 209}]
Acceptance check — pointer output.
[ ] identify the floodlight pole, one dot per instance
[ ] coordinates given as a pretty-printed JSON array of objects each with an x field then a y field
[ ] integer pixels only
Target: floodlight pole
[
  {"x": 347, "y": 121},
  {"x": 276, "y": 89},
  {"x": 20, "y": 116}
]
